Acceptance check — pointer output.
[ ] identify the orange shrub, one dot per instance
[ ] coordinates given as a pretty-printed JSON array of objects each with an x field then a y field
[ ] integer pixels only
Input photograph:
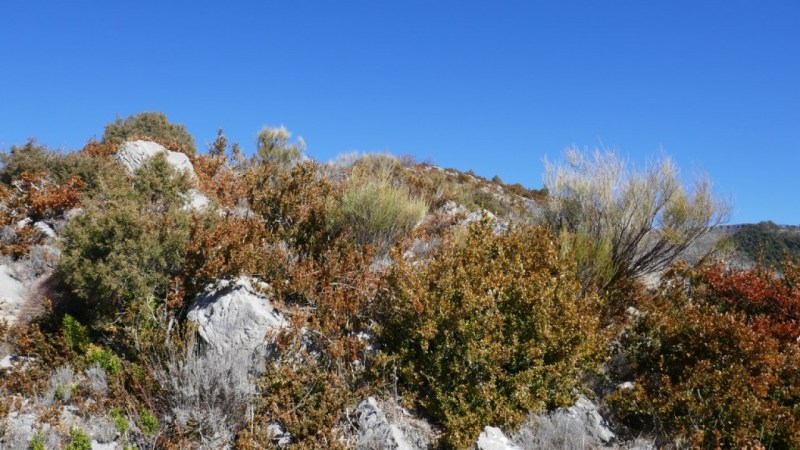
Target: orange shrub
[
  {"x": 320, "y": 368},
  {"x": 715, "y": 360},
  {"x": 31, "y": 198}
]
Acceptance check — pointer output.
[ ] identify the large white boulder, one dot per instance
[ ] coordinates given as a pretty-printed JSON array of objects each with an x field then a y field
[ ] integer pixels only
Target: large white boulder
[
  {"x": 492, "y": 438},
  {"x": 234, "y": 317},
  {"x": 133, "y": 154}
]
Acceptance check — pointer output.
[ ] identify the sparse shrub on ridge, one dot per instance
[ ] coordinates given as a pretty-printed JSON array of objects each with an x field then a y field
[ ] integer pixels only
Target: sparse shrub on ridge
[
  {"x": 493, "y": 327},
  {"x": 153, "y": 125},
  {"x": 273, "y": 147},
  {"x": 623, "y": 223}
]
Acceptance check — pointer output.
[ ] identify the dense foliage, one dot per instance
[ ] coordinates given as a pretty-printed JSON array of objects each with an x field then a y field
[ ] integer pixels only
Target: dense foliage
[
  {"x": 493, "y": 327},
  {"x": 391, "y": 286},
  {"x": 715, "y": 359},
  {"x": 121, "y": 251}
]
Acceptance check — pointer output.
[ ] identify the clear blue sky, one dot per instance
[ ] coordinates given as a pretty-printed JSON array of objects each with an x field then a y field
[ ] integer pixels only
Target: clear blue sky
[{"x": 490, "y": 86}]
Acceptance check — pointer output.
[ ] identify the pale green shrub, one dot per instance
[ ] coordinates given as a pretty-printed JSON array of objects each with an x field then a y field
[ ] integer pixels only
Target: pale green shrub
[
  {"x": 626, "y": 223},
  {"x": 376, "y": 211},
  {"x": 274, "y": 147}
]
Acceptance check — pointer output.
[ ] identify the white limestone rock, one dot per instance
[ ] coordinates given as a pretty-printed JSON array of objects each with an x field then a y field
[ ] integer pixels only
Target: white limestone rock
[
  {"x": 493, "y": 439},
  {"x": 234, "y": 317},
  {"x": 133, "y": 154},
  {"x": 387, "y": 426},
  {"x": 196, "y": 201},
  {"x": 12, "y": 294},
  {"x": 585, "y": 412}
]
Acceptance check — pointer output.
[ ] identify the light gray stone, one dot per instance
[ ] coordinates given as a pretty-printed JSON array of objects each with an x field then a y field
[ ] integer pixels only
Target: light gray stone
[
  {"x": 234, "y": 317},
  {"x": 492, "y": 438},
  {"x": 12, "y": 294},
  {"x": 133, "y": 154},
  {"x": 587, "y": 414},
  {"x": 384, "y": 425}
]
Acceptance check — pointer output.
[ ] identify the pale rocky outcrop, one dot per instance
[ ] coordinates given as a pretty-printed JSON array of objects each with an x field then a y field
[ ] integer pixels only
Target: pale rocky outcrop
[
  {"x": 133, "y": 154},
  {"x": 387, "y": 426},
  {"x": 12, "y": 294},
  {"x": 492, "y": 438},
  {"x": 585, "y": 412},
  {"x": 234, "y": 317}
]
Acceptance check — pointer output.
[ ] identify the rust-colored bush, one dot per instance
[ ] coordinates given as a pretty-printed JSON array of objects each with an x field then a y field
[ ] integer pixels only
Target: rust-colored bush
[
  {"x": 292, "y": 203},
  {"x": 31, "y": 198},
  {"x": 97, "y": 149},
  {"x": 322, "y": 356},
  {"x": 715, "y": 360}
]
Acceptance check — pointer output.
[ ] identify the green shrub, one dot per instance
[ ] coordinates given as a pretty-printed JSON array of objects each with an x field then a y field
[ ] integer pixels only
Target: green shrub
[
  {"x": 119, "y": 419},
  {"x": 37, "y": 443},
  {"x": 376, "y": 211},
  {"x": 78, "y": 440},
  {"x": 152, "y": 125},
  {"x": 148, "y": 423},
  {"x": 105, "y": 358},
  {"x": 75, "y": 334},
  {"x": 273, "y": 146},
  {"x": 492, "y": 328},
  {"x": 121, "y": 251}
]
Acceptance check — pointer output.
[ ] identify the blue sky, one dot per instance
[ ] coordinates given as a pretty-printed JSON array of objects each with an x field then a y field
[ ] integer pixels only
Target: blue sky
[{"x": 489, "y": 86}]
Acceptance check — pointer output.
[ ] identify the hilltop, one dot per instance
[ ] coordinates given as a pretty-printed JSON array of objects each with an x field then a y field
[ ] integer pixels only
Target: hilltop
[{"x": 157, "y": 297}]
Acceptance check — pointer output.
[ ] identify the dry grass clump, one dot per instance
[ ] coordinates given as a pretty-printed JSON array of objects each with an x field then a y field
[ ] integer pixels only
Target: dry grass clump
[{"x": 376, "y": 212}]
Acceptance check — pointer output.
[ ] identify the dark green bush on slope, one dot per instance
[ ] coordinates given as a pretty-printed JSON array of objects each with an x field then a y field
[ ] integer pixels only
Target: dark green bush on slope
[
  {"x": 492, "y": 328},
  {"x": 153, "y": 125},
  {"x": 122, "y": 250}
]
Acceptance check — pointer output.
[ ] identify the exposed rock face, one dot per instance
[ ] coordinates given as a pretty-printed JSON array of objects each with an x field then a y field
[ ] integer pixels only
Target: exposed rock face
[
  {"x": 493, "y": 439},
  {"x": 386, "y": 426},
  {"x": 585, "y": 412},
  {"x": 133, "y": 154},
  {"x": 579, "y": 426},
  {"x": 235, "y": 317},
  {"x": 12, "y": 294}
]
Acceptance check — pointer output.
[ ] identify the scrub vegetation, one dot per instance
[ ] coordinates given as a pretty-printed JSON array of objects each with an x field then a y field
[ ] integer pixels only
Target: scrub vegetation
[{"x": 464, "y": 300}]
